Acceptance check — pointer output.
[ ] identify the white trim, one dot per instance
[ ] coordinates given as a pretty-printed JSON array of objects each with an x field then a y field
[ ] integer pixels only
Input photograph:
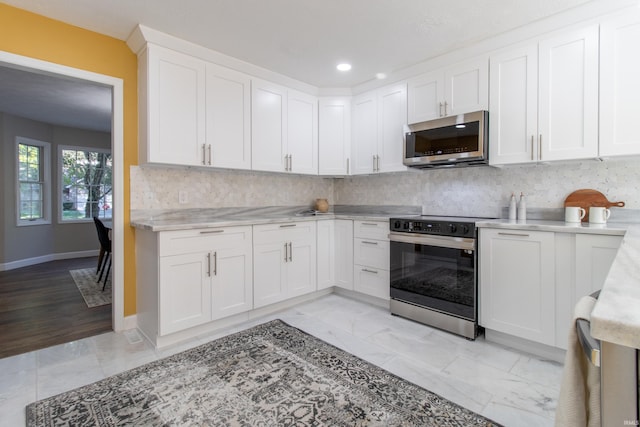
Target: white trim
[
  {"x": 45, "y": 163},
  {"x": 117, "y": 150},
  {"x": 46, "y": 258}
]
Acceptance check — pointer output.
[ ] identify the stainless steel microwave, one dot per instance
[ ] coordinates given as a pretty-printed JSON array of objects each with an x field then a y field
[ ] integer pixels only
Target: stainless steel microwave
[{"x": 460, "y": 140}]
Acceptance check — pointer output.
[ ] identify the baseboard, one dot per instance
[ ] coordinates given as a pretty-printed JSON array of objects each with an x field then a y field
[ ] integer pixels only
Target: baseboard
[
  {"x": 541, "y": 350},
  {"x": 130, "y": 322},
  {"x": 46, "y": 258}
]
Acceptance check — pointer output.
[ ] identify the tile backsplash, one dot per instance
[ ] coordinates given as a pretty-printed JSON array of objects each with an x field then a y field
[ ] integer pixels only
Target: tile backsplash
[{"x": 473, "y": 191}]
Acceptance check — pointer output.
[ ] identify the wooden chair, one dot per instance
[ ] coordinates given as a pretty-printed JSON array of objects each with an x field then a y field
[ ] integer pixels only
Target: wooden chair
[{"x": 105, "y": 247}]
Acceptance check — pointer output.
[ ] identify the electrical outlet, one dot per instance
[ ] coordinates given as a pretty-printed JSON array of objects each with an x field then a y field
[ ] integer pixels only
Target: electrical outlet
[{"x": 183, "y": 197}]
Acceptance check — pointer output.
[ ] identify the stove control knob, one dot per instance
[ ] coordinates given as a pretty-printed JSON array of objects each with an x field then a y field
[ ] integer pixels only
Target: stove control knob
[
  {"x": 465, "y": 229},
  {"x": 397, "y": 225},
  {"x": 453, "y": 228}
]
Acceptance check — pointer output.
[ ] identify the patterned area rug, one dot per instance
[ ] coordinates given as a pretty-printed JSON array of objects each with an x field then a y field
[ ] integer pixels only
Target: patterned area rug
[
  {"x": 91, "y": 291},
  {"x": 272, "y": 374}
]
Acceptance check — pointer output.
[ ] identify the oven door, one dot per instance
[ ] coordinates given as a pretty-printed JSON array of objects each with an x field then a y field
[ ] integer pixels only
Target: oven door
[{"x": 436, "y": 272}]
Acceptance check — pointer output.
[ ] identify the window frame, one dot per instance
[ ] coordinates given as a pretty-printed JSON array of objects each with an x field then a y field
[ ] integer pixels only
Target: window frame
[
  {"x": 61, "y": 181},
  {"x": 45, "y": 163}
]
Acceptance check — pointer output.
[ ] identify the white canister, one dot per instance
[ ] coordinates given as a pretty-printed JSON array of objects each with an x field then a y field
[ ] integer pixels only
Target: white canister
[
  {"x": 598, "y": 215},
  {"x": 574, "y": 214}
]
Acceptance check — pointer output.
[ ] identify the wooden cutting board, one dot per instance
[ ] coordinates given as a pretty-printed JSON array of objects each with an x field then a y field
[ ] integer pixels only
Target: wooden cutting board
[{"x": 586, "y": 198}]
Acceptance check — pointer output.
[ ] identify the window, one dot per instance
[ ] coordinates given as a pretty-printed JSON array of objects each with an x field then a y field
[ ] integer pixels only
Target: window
[
  {"x": 86, "y": 183},
  {"x": 33, "y": 193}
]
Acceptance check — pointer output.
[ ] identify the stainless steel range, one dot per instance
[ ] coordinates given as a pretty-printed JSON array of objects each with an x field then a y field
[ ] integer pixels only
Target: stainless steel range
[{"x": 433, "y": 272}]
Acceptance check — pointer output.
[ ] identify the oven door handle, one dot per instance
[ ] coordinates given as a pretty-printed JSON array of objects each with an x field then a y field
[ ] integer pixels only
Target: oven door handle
[{"x": 440, "y": 241}]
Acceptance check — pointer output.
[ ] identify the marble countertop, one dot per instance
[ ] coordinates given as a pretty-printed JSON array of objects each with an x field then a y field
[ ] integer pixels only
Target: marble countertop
[
  {"x": 192, "y": 219},
  {"x": 616, "y": 315},
  {"x": 616, "y": 229}
]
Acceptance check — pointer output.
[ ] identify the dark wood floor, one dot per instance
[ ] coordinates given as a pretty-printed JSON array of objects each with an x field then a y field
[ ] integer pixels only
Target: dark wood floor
[{"x": 41, "y": 306}]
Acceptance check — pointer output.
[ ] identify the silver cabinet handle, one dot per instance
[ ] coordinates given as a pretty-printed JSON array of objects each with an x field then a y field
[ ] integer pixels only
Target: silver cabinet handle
[
  {"x": 369, "y": 243},
  {"x": 286, "y": 162},
  {"x": 540, "y": 147},
  {"x": 445, "y": 108},
  {"x": 212, "y": 232},
  {"x": 209, "y": 264},
  {"x": 286, "y": 250},
  {"x": 215, "y": 263},
  {"x": 290, "y": 162},
  {"x": 204, "y": 162},
  {"x": 290, "y": 252},
  {"x": 366, "y": 270},
  {"x": 372, "y": 224},
  {"x": 514, "y": 234},
  {"x": 377, "y": 163},
  {"x": 209, "y": 154},
  {"x": 440, "y": 109},
  {"x": 287, "y": 225},
  {"x": 374, "y": 162},
  {"x": 532, "y": 150},
  {"x": 347, "y": 166}
]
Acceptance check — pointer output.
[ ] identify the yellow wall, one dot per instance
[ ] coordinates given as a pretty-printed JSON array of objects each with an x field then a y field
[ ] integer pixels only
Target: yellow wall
[{"x": 27, "y": 34}]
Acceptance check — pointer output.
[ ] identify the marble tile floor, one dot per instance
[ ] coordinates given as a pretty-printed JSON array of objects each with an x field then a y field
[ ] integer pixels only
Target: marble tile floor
[{"x": 510, "y": 387}]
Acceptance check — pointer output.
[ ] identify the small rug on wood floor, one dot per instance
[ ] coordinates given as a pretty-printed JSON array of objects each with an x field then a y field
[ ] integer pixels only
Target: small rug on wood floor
[
  {"x": 272, "y": 374},
  {"x": 91, "y": 290}
]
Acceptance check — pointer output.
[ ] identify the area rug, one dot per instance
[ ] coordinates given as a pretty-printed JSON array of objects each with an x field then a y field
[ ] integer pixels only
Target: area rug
[
  {"x": 272, "y": 374},
  {"x": 91, "y": 290}
]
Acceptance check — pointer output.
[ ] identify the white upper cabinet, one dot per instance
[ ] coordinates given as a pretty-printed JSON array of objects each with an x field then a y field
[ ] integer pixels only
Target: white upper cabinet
[
  {"x": 458, "y": 89},
  {"x": 513, "y": 105},
  {"x": 302, "y": 136},
  {"x": 284, "y": 129},
  {"x": 568, "y": 95},
  {"x": 334, "y": 136},
  {"x": 172, "y": 104},
  {"x": 268, "y": 126},
  {"x": 228, "y": 128},
  {"x": 620, "y": 85},
  {"x": 544, "y": 100},
  {"x": 378, "y": 123}
]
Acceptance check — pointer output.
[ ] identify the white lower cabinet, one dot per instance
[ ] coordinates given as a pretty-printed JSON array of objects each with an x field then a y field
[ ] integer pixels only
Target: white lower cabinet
[
  {"x": 284, "y": 261},
  {"x": 530, "y": 281},
  {"x": 517, "y": 283},
  {"x": 371, "y": 258},
  {"x": 335, "y": 253},
  {"x": 190, "y": 277}
]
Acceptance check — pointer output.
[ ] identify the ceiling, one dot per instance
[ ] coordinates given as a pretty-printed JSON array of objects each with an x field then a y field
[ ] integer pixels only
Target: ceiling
[{"x": 302, "y": 39}]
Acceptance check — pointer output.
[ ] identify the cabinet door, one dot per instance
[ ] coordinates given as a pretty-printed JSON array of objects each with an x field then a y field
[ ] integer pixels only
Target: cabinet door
[
  {"x": 268, "y": 126},
  {"x": 364, "y": 140},
  {"x": 184, "y": 291},
  {"x": 392, "y": 118},
  {"x": 232, "y": 284},
  {"x": 620, "y": 85},
  {"x": 334, "y": 136},
  {"x": 343, "y": 253},
  {"x": 425, "y": 96},
  {"x": 228, "y": 118},
  {"x": 517, "y": 283},
  {"x": 467, "y": 87},
  {"x": 301, "y": 264},
  {"x": 568, "y": 95},
  {"x": 269, "y": 283},
  {"x": 513, "y": 106},
  {"x": 176, "y": 108},
  {"x": 327, "y": 258},
  {"x": 302, "y": 136},
  {"x": 594, "y": 257}
]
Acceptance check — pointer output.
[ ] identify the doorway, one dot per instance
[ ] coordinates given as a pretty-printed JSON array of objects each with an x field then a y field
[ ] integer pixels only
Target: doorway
[{"x": 115, "y": 86}]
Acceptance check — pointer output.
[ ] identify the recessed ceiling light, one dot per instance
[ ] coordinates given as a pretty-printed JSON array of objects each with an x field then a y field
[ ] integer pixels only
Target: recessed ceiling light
[
  {"x": 344, "y": 67},
  {"x": 381, "y": 76}
]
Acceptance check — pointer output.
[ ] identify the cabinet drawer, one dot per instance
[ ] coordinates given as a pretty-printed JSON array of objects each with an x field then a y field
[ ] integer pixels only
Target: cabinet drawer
[
  {"x": 274, "y": 233},
  {"x": 202, "y": 239},
  {"x": 373, "y": 253},
  {"x": 371, "y": 281},
  {"x": 378, "y": 230}
]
